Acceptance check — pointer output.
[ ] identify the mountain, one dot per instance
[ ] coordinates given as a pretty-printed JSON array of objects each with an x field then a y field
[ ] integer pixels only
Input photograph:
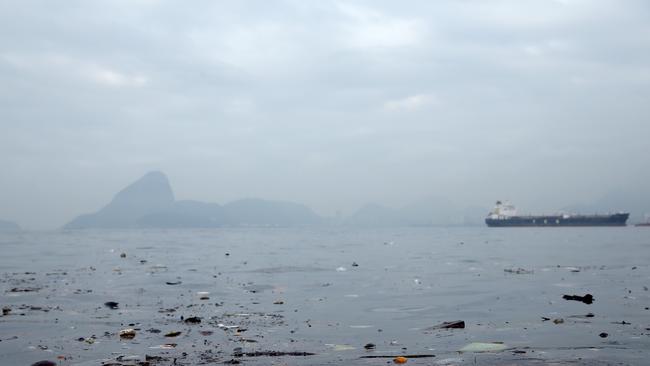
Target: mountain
[
  {"x": 149, "y": 202},
  {"x": 8, "y": 226},
  {"x": 150, "y": 194}
]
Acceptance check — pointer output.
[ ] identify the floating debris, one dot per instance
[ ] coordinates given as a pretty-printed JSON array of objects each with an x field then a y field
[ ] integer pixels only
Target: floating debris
[
  {"x": 44, "y": 363},
  {"x": 127, "y": 333},
  {"x": 478, "y": 347},
  {"x": 340, "y": 347},
  {"x": 587, "y": 299},
  {"x": 518, "y": 271},
  {"x": 455, "y": 324},
  {"x": 403, "y": 356},
  {"x": 400, "y": 359},
  {"x": 173, "y": 334},
  {"x": 193, "y": 320},
  {"x": 111, "y": 305},
  {"x": 370, "y": 346}
]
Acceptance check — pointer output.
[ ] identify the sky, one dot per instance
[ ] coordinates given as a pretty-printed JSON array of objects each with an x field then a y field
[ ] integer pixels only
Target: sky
[{"x": 329, "y": 103}]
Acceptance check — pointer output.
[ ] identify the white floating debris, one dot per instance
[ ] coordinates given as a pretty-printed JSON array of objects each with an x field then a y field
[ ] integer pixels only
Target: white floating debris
[
  {"x": 340, "y": 347},
  {"x": 477, "y": 347},
  {"x": 341, "y": 269}
]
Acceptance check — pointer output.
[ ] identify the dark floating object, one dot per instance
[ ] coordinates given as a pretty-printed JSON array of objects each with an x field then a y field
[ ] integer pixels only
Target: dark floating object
[
  {"x": 173, "y": 334},
  {"x": 603, "y": 335},
  {"x": 24, "y": 289},
  {"x": 622, "y": 323},
  {"x": 404, "y": 356},
  {"x": 238, "y": 353},
  {"x": 587, "y": 299},
  {"x": 44, "y": 363},
  {"x": 193, "y": 320},
  {"x": 171, "y": 283},
  {"x": 455, "y": 324},
  {"x": 111, "y": 304},
  {"x": 369, "y": 346},
  {"x": 355, "y": 264}
]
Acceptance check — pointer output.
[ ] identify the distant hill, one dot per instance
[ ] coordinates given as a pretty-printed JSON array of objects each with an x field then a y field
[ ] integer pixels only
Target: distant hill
[
  {"x": 8, "y": 226},
  {"x": 148, "y": 195},
  {"x": 149, "y": 202}
]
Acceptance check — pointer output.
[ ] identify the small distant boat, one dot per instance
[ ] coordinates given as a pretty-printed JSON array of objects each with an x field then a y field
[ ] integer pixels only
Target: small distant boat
[{"x": 505, "y": 214}]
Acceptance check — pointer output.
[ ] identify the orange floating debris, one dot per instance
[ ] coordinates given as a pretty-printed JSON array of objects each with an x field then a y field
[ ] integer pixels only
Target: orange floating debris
[{"x": 400, "y": 359}]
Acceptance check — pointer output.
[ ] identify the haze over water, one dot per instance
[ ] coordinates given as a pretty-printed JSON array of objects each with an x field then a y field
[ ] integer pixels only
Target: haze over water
[
  {"x": 307, "y": 182},
  {"x": 406, "y": 281}
]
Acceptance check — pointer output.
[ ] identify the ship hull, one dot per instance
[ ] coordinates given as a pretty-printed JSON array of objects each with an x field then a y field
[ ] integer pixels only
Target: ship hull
[{"x": 619, "y": 219}]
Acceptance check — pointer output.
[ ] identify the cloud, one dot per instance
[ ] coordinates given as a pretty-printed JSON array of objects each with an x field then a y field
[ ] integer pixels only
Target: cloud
[
  {"x": 412, "y": 103},
  {"x": 114, "y": 78},
  {"x": 334, "y": 102},
  {"x": 369, "y": 28}
]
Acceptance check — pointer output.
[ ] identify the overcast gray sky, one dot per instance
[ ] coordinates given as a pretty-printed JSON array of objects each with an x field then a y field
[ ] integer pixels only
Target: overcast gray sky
[{"x": 328, "y": 103}]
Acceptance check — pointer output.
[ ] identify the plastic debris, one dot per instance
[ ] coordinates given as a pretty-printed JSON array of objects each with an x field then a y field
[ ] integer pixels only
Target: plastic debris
[
  {"x": 193, "y": 320},
  {"x": 400, "y": 359},
  {"x": 111, "y": 305},
  {"x": 454, "y": 324},
  {"x": 127, "y": 333},
  {"x": 517, "y": 271},
  {"x": 173, "y": 334},
  {"x": 587, "y": 299},
  {"x": 340, "y": 347},
  {"x": 478, "y": 347}
]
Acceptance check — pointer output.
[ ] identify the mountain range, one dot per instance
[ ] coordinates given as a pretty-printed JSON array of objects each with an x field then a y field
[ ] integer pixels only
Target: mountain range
[{"x": 150, "y": 202}]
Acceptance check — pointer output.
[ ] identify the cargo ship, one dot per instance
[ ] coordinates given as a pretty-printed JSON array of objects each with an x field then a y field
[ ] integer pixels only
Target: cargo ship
[{"x": 505, "y": 214}]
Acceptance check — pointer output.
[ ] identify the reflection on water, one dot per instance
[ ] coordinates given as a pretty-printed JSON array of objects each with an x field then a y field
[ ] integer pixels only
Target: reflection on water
[{"x": 283, "y": 290}]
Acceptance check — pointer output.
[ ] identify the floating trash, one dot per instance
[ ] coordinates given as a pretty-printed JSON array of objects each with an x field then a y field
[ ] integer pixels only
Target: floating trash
[
  {"x": 340, "y": 347},
  {"x": 127, "y": 333},
  {"x": 478, "y": 347}
]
